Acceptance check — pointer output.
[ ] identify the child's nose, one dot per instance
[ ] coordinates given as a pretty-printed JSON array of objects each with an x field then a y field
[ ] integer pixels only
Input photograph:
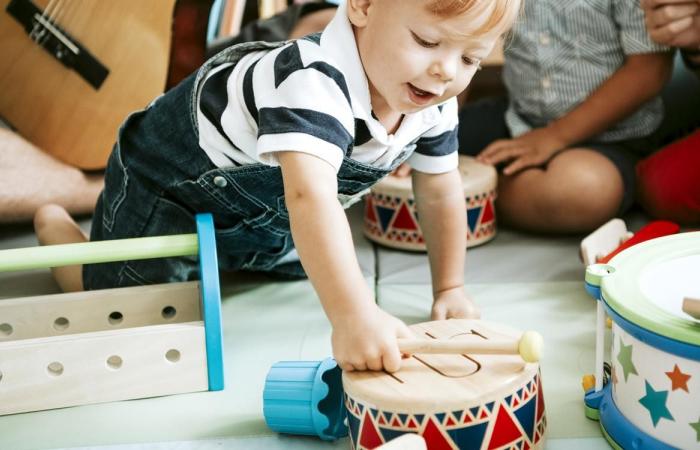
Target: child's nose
[{"x": 444, "y": 69}]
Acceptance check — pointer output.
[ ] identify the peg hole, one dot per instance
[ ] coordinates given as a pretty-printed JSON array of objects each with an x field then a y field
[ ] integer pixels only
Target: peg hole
[
  {"x": 61, "y": 324},
  {"x": 169, "y": 312},
  {"x": 172, "y": 355},
  {"x": 114, "y": 362},
  {"x": 115, "y": 318},
  {"x": 55, "y": 368},
  {"x": 5, "y": 329}
]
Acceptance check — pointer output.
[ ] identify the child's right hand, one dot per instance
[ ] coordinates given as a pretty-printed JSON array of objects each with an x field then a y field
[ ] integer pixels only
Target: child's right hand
[{"x": 369, "y": 341}]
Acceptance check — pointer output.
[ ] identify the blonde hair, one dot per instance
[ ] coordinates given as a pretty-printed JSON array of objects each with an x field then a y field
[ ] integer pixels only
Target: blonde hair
[{"x": 500, "y": 14}]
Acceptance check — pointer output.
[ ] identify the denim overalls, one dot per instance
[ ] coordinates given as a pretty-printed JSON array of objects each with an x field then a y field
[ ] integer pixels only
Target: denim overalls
[{"x": 158, "y": 177}]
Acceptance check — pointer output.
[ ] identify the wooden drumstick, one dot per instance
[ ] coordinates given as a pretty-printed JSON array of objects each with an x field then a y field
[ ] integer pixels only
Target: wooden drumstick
[
  {"x": 692, "y": 306},
  {"x": 529, "y": 346}
]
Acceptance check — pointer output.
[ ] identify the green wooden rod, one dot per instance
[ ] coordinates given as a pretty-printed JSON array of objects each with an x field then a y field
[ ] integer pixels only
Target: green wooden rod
[{"x": 98, "y": 252}]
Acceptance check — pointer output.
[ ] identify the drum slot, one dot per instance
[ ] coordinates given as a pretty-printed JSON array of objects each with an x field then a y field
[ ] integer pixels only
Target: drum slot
[
  {"x": 469, "y": 333},
  {"x": 394, "y": 377},
  {"x": 430, "y": 366}
]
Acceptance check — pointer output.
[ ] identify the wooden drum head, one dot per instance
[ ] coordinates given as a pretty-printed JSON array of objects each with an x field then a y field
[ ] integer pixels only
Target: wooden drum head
[
  {"x": 453, "y": 401},
  {"x": 390, "y": 212}
]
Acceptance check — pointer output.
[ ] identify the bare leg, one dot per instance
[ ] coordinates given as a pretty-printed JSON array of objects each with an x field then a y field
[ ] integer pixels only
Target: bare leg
[
  {"x": 578, "y": 191},
  {"x": 30, "y": 178},
  {"x": 53, "y": 225}
]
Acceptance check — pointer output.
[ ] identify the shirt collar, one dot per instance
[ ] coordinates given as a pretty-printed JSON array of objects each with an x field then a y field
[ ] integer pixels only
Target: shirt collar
[{"x": 338, "y": 39}]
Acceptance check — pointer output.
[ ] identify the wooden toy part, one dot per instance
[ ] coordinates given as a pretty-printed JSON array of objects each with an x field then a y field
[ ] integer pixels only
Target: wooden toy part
[
  {"x": 649, "y": 231},
  {"x": 98, "y": 252},
  {"x": 408, "y": 441},
  {"x": 603, "y": 240},
  {"x": 529, "y": 346},
  {"x": 692, "y": 306}
]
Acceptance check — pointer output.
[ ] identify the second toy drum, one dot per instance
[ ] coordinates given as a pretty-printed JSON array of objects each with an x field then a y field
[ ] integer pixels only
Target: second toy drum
[
  {"x": 390, "y": 212},
  {"x": 653, "y": 399},
  {"x": 456, "y": 401}
]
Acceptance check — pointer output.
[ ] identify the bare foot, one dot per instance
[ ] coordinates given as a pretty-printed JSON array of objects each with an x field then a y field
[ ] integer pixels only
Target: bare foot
[{"x": 53, "y": 225}]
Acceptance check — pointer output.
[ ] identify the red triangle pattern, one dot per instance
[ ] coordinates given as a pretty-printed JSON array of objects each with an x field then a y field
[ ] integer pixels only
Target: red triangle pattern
[
  {"x": 467, "y": 418},
  {"x": 369, "y": 437},
  {"x": 540, "y": 400},
  {"x": 404, "y": 220},
  {"x": 526, "y": 446},
  {"x": 395, "y": 422},
  {"x": 370, "y": 214},
  {"x": 449, "y": 421},
  {"x": 411, "y": 423},
  {"x": 515, "y": 401},
  {"x": 505, "y": 430},
  {"x": 381, "y": 419},
  {"x": 484, "y": 414},
  {"x": 434, "y": 437},
  {"x": 488, "y": 212}
]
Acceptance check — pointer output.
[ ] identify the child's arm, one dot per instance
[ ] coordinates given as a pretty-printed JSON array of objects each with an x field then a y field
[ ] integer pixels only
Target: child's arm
[
  {"x": 364, "y": 336},
  {"x": 637, "y": 81},
  {"x": 441, "y": 211}
]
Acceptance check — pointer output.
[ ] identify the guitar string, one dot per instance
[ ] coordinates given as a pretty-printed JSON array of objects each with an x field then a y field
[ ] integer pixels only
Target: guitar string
[
  {"x": 52, "y": 16},
  {"x": 39, "y": 32},
  {"x": 66, "y": 13}
]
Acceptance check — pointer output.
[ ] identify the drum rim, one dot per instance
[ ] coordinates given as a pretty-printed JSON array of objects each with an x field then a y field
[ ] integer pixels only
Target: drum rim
[
  {"x": 623, "y": 284},
  {"x": 483, "y": 182}
]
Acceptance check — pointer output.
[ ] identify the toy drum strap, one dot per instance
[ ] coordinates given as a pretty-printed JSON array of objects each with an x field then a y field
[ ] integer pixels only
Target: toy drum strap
[
  {"x": 653, "y": 399},
  {"x": 453, "y": 401},
  {"x": 390, "y": 212}
]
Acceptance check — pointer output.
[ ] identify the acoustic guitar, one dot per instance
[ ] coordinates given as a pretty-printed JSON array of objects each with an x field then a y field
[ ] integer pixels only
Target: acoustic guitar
[{"x": 72, "y": 70}]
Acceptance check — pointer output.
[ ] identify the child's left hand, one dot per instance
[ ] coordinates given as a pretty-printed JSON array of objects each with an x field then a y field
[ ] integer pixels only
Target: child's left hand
[
  {"x": 531, "y": 149},
  {"x": 454, "y": 304}
]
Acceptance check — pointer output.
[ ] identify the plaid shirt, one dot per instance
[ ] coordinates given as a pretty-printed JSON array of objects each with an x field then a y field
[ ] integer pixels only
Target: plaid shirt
[{"x": 562, "y": 50}]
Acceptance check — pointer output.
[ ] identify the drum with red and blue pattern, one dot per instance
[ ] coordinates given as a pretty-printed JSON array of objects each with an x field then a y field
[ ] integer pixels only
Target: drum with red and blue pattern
[
  {"x": 470, "y": 402},
  {"x": 391, "y": 218}
]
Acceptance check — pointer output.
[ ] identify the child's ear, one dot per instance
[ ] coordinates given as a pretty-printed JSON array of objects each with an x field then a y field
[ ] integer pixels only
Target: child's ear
[{"x": 358, "y": 11}]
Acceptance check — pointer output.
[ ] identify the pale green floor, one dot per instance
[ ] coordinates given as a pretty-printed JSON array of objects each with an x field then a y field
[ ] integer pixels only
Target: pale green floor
[{"x": 524, "y": 281}]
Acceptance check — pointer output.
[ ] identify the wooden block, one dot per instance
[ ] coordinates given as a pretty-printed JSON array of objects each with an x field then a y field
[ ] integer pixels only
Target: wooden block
[
  {"x": 102, "y": 366},
  {"x": 603, "y": 241},
  {"x": 108, "y": 309}
]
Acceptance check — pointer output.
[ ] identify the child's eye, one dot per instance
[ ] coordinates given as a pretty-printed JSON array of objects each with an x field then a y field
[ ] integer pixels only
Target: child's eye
[
  {"x": 471, "y": 62},
  {"x": 423, "y": 42}
]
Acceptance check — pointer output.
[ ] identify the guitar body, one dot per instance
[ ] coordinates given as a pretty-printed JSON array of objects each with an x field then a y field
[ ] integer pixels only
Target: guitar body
[{"x": 55, "y": 108}]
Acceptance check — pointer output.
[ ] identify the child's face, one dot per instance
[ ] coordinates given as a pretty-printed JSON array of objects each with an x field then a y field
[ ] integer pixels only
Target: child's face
[{"x": 413, "y": 58}]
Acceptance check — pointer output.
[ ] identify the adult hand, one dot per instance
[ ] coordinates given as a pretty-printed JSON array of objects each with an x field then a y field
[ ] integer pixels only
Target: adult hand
[
  {"x": 675, "y": 23},
  {"x": 531, "y": 149}
]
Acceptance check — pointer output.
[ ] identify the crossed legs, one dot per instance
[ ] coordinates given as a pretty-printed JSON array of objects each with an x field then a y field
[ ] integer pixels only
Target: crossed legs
[{"x": 576, "y": 192}]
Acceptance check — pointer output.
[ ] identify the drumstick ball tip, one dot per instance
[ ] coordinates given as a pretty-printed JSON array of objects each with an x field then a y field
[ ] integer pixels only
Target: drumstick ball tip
[{"x": 530, "y": 346}]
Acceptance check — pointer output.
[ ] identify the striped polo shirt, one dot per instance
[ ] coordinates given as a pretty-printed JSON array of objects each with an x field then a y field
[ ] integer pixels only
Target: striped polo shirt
[
  {"x": 311, "y": 95},
  {"x": 562, "y": 50}
]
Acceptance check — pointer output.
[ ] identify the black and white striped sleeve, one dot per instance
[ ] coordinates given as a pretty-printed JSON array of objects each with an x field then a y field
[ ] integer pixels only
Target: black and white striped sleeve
[
  {"x": 301, "y": 103},
  {"x": 436, "y": 150}
]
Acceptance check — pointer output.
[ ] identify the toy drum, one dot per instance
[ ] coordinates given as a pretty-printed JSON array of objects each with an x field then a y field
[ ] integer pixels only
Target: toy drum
[
  {"x": 653, "y": 399},
  {"x": 390, "y": 212},
  {"x": 454, "y": 401}
]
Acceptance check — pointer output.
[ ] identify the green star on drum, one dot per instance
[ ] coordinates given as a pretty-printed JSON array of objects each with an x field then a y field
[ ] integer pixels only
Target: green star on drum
[
  {"x": 655, "y": 403},
  {"x": 696, "y": 426},
  {"x": 624, "y": 356}
]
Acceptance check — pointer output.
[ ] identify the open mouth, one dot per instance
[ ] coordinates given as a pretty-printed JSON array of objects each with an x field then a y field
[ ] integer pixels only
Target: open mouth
[{"x": 419, "y": 95}]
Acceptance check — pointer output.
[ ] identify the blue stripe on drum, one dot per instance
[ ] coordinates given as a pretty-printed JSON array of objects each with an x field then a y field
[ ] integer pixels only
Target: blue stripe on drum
[
  {"x": 664, "y": 343},
  {"x": 620, "y": 430}
]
